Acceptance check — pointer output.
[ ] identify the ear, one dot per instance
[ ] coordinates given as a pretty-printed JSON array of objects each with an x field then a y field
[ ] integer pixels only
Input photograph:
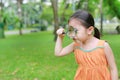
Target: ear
[{"x": 90, "y": 30}]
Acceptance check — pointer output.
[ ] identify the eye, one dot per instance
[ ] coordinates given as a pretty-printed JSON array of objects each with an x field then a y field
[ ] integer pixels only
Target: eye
[
  {"x": 70, "y": 28},
  {"x": 75, "y": 30}
]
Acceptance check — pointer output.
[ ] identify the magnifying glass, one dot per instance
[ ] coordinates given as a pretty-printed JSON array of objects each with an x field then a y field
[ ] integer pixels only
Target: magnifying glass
[{"x": 70, "y": 32}]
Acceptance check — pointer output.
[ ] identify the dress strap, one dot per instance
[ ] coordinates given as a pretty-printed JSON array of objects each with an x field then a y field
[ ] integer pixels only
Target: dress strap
[{"x": 101, "y": 43}]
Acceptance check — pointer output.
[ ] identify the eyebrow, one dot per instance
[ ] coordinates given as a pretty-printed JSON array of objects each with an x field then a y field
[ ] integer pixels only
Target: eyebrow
[
  {"x": 75, "y": 28},
  {"x": 72, "y": 27}
]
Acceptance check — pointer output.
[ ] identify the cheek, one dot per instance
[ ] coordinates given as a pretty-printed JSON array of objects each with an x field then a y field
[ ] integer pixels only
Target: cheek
[{"x": 82, "y": 35}]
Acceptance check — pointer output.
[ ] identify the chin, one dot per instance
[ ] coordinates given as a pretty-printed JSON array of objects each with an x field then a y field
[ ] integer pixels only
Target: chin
[{"x": 77, "y": 41}]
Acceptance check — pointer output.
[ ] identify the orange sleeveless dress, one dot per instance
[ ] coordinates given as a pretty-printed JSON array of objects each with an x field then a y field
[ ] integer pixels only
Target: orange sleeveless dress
[{"x": 92, "y": 64}]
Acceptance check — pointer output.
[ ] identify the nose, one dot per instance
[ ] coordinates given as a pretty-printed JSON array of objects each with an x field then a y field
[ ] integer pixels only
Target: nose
[{"x": 72, "y": 35}]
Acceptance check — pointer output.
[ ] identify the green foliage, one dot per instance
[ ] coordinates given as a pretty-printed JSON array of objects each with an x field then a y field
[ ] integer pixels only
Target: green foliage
[
  {"x": 93, "y": 8},
  {"x": 110, "y": 8},
  {"x": 10, "y": 17},
  {"x": 47, "y": 14},
  {"x": 36, "y": 12},
  {"x": 114, "y": 5},
  {"x": 31, "y": 57},
  {"x": 64, "y": 13}
]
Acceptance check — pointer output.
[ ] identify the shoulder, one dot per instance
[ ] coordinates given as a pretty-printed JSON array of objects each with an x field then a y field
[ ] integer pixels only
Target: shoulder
[
  {"x": 107, "y": 48},
  {"x": 106, "y": 45},
  {"x": 102, "y": 42}
]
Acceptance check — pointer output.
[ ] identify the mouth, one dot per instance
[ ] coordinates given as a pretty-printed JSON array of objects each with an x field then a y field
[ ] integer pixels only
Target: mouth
[{"x": 73, "y": 38}]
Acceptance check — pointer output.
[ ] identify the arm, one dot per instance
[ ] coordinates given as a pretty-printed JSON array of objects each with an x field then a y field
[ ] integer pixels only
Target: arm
[
  {"x": 111, "y": 62},
  {"x": 59, "y": 51}
]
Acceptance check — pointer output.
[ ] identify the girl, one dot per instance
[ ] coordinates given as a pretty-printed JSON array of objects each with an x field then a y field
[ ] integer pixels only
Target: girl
[{"x": 94, "y": 56}]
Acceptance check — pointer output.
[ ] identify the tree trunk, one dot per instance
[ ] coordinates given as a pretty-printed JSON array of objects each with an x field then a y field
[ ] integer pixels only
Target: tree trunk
[
  {"x": 2, "y": 20},
  {"x": 101, "y": 18},
  {"x": 86, "y": 5},
  {"x": 55, "y": 12},
  {"x": 19, "y": 2}
]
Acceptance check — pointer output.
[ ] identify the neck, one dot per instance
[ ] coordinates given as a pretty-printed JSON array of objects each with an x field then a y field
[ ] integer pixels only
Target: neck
[{"x": 88, "y": 40}]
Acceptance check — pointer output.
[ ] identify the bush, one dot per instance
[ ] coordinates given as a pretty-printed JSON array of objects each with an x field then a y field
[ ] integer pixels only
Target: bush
[{"x": 118, "y": 29}]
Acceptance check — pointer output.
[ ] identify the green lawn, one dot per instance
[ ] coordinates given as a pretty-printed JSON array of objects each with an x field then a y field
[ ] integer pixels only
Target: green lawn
[{"x": 31, "y": 57}]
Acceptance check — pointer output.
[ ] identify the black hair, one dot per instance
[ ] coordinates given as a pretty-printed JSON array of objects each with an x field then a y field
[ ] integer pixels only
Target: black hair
[{"x": 87, "y": 20}]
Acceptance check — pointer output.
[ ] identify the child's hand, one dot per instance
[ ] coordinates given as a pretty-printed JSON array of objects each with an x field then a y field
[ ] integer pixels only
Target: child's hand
[{"x": 60, "y": 32}]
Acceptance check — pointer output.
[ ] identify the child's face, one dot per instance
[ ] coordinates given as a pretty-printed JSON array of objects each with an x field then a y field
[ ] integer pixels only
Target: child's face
[{"x": 79, "y": 32}]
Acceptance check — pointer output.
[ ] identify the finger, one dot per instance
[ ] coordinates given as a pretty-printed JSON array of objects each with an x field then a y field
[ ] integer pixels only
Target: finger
[{"x": 60, "y": 31}]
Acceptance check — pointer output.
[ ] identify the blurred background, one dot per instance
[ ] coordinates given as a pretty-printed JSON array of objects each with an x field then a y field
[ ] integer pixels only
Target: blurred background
[
  {"x": 42, "y": 15},
  {"x": 27, "y": 36}
]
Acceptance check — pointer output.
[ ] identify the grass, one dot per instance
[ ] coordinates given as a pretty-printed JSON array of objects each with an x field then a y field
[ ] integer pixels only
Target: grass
[{"x": 31, "y": 57}]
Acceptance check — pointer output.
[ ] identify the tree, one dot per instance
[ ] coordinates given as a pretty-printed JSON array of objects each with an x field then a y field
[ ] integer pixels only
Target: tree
[
  {"x": 19, "y": 2},
  {"x": 114, "y": 5},
  {"x": 55, "y": 12},
  {"x": 101, "y": 17},
  {"x": 63, "y": 13},
  {"x": 2, "y": 21}
]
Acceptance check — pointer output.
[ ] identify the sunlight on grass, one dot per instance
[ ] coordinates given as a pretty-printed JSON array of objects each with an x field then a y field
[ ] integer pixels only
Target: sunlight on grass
[{"x": 31, "y": 57}]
